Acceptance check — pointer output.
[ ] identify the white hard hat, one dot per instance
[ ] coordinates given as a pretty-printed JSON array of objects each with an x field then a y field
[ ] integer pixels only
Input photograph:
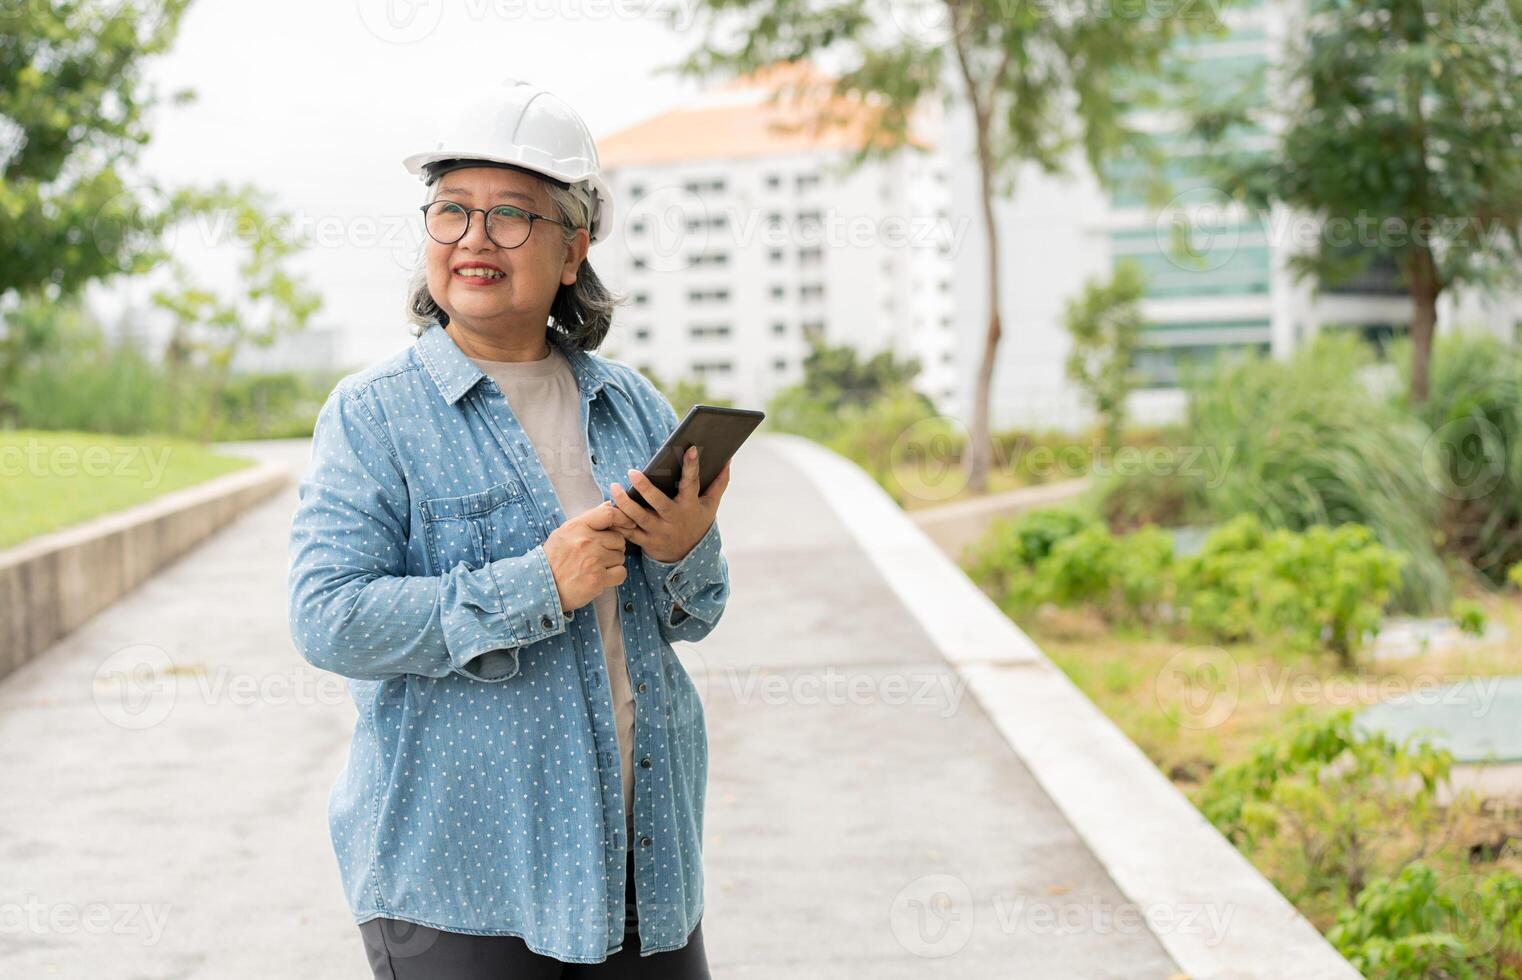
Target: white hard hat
[{"x": 526, "y": 127}]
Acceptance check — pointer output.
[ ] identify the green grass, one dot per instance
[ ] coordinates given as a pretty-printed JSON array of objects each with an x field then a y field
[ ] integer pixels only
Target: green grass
[{"x": 53, "y": 480}]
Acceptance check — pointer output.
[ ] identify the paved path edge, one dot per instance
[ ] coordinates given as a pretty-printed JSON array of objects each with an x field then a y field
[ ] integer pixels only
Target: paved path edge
[
  {"x": 51, "y": 584},
  {"x": 1215, "y": 914}
]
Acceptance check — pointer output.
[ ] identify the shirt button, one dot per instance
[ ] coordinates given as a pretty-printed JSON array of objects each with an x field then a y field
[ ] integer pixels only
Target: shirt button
[
  {"x": 628, "y": 607},
  {"x": 594, "y": 457},
  {"x": 676, "y": 576},
  {"x": 641, "y": 687},
  {"x": 546, "y": 621},
  {"x": 645, "y": 762},
  {"x": 644, "y": 841}
]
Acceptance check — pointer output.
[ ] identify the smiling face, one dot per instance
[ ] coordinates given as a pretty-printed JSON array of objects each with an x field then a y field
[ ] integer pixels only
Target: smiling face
[{"x": 516, "y": 301}]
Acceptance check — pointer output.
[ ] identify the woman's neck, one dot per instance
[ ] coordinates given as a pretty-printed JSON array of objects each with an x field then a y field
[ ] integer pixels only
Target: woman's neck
[{"x": 490, "y": 348}]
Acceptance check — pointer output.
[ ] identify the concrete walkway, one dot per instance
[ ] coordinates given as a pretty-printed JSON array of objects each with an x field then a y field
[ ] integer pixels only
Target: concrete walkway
[{"x": 166, "y": 770}]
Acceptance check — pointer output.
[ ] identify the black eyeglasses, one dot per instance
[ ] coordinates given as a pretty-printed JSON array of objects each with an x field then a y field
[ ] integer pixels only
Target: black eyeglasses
[{"x": 507, "y": 226}]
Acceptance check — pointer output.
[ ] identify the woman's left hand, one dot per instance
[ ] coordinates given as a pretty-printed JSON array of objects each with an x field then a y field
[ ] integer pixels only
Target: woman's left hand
[{"x": 670, "y": 527}]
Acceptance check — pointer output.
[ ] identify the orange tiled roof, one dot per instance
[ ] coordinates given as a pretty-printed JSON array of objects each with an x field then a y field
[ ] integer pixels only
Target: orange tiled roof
[{"x": 735, "y": 120}]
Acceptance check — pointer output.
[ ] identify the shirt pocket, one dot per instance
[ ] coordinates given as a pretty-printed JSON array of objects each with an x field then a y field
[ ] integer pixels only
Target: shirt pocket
[{"x": 478, "y": 528}]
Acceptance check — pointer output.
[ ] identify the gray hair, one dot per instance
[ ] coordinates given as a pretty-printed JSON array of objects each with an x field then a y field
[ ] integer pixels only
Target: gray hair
[{"x": 582, "y": 311}]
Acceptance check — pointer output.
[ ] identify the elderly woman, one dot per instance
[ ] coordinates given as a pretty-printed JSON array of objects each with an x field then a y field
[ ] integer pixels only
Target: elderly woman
[{"x": 524, "y": 790}]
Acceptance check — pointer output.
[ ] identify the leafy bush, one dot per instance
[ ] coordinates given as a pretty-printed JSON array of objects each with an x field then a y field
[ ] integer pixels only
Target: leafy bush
[
  {"x": 1126, "y": 579},
  {"x": 1474, "y": 454},
  {"x": 1469, "y": 617},
  {"x": 1327, "y": 807},
  {"x": 1130, "y": 500},
  {"x": 1325, "y": 587},
  {"x": 1004, "y": 560},
  {"x": 1067, "y": 556},
  {"x": 1301, "y": 443},
  {"x": 873, "y": 434},
  {"x": 1411, "y": 927}
]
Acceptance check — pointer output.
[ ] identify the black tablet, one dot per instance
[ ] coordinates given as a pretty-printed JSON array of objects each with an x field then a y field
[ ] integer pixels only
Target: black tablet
[{"x": 716, "y": 431}]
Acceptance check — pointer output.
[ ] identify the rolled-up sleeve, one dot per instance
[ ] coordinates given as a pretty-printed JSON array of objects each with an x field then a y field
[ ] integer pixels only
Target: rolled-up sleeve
[
  {"x": 693, "y": 590},
  {"x": 353, "y": 609}
]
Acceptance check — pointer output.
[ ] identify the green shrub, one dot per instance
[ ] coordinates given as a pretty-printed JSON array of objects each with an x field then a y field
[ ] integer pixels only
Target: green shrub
[
  {"x": 1125, "y": 579},
  {"x": 1301, "y": 443},
  {"x": 1469, "y": 616},
  {"x": 1411, "y": 927},
  {"x": 1326, "y": 807},
  {"x": 1324, "y": 587},
  {"x": 1130, "y": 500},
  {"x": 881, "y": 434},
  {"x": 1474, "y": 453},
  {"x": 1004, "y": 560}
]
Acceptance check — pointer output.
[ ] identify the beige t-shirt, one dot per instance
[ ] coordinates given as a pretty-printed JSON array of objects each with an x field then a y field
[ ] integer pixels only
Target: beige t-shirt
[{"x": 546, "y": 401}]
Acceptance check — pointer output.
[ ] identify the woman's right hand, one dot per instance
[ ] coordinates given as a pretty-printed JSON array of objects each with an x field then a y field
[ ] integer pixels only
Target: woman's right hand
[{"x": 586, "y": 555}]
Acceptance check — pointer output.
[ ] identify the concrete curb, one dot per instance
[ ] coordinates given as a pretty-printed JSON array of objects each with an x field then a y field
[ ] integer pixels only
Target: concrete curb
[
  {"x": 51, "y": 584},
  {"x": 1214, "y": 913}
]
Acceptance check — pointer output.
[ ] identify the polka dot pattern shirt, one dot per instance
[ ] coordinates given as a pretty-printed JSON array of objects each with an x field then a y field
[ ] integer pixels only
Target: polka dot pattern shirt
[{"x": 482, "y": 791}]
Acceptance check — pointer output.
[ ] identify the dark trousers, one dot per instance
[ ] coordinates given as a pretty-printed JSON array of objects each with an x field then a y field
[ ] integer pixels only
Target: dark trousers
[{"x": 401, "y": 950}]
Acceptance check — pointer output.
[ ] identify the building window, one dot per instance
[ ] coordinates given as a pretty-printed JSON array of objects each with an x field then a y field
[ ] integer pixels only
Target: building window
[
  {"x": 712, "y": 367},
  {"x": 805, "y": 182},
  {"x": 636, "y": 190},
  {"x": 773, "y": 181},
  {"x": 810, "y": 256},
  {"x": 705, "y": 330},
  {"x": 780, "y": 364},
  {"x": 714, "y": 186},
  {"x": 719, "y": 259},
  {"x": 642, "y": 333},
  {"x": 775, "y": 256},
  {"x": 779, "y": 328},
  {"x": 640, "y": 299},
  {"x": 811, "y": 291},
  {"x": 707, "y": 295},
  {"x": 813, "y": 328},
  {"x": 639, "y": 262},
  {"x": 778, "y": 292},
  {"x": 637, "y": 227}
]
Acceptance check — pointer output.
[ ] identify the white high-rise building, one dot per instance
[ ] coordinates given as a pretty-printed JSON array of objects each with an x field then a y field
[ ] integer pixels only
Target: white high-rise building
[{"x": 737, "y": 238}]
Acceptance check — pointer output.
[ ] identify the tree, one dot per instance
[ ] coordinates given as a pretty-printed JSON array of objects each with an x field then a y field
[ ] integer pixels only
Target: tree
[
  {"x": 1040, "y": 81},
  {"x": 1104, "y": 322},
  {"x": 1399, "y": 132},
  {"x": 72, "y": 108},
  {"x": 269, "y": 302}
]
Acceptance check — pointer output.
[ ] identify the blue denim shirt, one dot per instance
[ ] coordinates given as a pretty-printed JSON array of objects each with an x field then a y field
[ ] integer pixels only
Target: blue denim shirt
[{"x": 482, "y": 792}]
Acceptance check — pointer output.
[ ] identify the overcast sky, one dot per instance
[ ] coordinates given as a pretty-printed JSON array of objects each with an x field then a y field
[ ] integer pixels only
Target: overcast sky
[{"x": 317, "y": 103}]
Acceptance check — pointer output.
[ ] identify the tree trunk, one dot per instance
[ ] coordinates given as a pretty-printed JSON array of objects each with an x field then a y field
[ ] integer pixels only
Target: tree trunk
[
  {"x": 1424, "y": 288},
  {"x": 980, "y": 437}
]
